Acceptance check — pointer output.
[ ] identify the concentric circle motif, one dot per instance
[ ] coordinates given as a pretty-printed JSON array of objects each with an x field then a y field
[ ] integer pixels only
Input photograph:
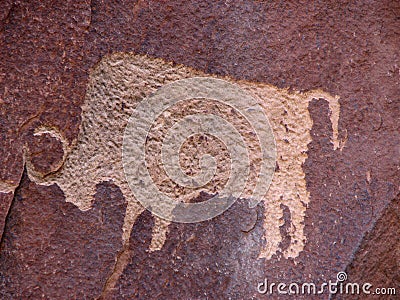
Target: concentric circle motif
[
  {"x": 150, "y": 109},
  {"x": 341, "y": 276}
]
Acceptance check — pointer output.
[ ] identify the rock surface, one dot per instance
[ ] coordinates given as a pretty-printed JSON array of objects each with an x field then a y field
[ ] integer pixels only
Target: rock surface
[{"x": 51, "y": 249}]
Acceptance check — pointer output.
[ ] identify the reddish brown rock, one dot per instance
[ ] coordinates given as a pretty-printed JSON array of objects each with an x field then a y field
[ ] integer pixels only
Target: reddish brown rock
[
  {"x": 52, "y": 250},
  {"x": 212, "y": 259},
  {"x": 350, "y": 49},
  {"x": 377, "y": 260}
]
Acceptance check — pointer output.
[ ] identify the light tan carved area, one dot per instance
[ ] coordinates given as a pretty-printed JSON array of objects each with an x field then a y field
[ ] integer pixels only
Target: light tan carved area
[
  {"x": 7, "y": 187},
  {"x": 120, "y": 81},
  {"x": 10, "y": 186},
  {"x": 196, "y": 146},
  {"x": 291, "y": 122}
]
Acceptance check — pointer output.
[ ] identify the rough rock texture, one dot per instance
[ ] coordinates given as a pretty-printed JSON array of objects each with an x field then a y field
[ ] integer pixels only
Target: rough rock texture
[
  {"x": 215, "y": 259},
  {"x": 349, "y": 49},
  {"x": 122, "y": 80},
  {"x": 53, "y": 250},
  {"x": 377, "y": 260}
]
